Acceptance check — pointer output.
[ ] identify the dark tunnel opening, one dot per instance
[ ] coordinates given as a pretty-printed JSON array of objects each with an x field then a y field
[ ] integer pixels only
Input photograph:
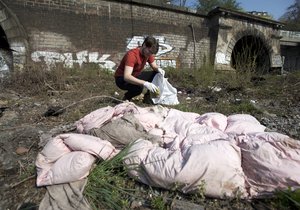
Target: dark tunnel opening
[
  {"x": 6, "y": 54},
  {"x": 3, "y": 40},
  {"x": 250, "y": 54}
]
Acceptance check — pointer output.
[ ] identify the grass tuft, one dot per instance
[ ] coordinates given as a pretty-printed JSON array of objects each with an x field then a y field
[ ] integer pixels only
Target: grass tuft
[
  {"x": 287, "y": 199},
  {"x": 107, "y": 186}
]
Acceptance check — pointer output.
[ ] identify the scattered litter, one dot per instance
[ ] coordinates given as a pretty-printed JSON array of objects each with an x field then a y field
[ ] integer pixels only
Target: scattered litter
[{"x": 215, "y": 89}]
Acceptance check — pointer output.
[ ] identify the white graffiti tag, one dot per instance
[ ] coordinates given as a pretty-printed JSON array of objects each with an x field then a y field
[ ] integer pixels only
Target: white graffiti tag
[
  {"x": 51, "y": 58},
  {"x": 164, "y": 48},
  {"x": 166, "y": 63},
  {"x": 3, "y": 65},
  {"x": 138, "y": 41},
  {"x": 221, "y": 58}
]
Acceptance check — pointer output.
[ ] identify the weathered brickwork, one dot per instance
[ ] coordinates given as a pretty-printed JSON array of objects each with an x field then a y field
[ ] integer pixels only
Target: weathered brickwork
[
  {"x": 74, "y": 32},
  {"x": 55, "y": 28}
]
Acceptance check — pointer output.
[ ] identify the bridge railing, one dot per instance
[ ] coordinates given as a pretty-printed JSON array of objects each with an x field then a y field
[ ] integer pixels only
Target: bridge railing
[{"x": 290, "y": 35}]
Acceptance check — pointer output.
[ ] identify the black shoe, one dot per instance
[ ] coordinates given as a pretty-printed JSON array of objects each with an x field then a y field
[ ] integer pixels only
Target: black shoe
[
  {"x": 125, "y": 99},
  {"x": 147, "y": 99}
]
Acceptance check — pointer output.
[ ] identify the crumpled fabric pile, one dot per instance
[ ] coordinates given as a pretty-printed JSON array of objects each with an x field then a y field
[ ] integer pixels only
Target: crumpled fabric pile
[{"x": 228, "y": 156}]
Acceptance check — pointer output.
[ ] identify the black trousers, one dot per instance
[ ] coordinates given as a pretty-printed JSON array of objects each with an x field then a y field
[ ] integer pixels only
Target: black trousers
[{"x": 134, "y": 90}]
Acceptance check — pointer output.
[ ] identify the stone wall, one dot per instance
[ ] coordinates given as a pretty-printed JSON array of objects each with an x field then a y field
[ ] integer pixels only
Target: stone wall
[{"x": 75, "y": 32}]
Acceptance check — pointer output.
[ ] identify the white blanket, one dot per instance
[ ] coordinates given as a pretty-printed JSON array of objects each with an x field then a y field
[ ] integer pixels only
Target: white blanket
[{"x": 227, "y": 155}]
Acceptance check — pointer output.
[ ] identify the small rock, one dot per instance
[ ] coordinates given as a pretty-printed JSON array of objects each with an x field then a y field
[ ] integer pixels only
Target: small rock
[
  {"x": 269, "y": 114},
  {"x": 3, "y": 103},
  {"x": 54, "y": 111},
  {"x": 135, "y": 204},
  {"x": 183, "y": 205},
  {"x": 52, "y": 101},
  {"x": 22, "y": 150},
  {"x": 8, "y": 118},
  {"x": 2, "y": 109}
]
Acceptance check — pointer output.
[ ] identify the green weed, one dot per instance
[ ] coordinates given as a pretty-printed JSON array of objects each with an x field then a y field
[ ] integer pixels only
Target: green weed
[
  {"x": 159, "y": 203},
  {"x": 26, "y": 171},
  {"x": 107, "y": 184},
  {"x": 199, "y": 196},
  {"x": 287, "y": 199},
  {"x": 243, "y": 107}
]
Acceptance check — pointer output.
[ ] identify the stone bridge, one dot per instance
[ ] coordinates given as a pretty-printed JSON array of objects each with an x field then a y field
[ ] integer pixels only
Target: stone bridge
[
  {"x": 290, "y": 49},
  {"x": 74, "y": 33}
]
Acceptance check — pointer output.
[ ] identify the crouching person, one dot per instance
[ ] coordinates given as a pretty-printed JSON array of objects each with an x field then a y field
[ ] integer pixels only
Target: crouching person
[{"x": 130, "y": 75}]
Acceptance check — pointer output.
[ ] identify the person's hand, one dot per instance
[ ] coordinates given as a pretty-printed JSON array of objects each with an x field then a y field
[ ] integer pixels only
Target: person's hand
[
  {"x": 151, "y": 87},
  {"x": 160, "y": 70}
]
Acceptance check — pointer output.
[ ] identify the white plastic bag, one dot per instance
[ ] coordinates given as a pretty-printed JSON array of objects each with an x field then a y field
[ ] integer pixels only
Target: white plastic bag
[{"x": 167, "y": 93}]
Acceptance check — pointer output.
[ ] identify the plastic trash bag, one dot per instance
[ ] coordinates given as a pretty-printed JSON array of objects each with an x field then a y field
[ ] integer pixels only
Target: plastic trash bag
[{"x": 167, "y": 93}]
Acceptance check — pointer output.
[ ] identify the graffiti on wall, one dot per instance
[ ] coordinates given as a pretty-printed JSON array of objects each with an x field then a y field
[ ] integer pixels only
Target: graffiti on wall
[
  {"x": 221, "y": 58},
  {"x": 164, "y": 48},
  {"x": 79, "y": 58},
  {"x": 4, "y": 67},
  {"x": 68, "y": 59},
  {"x": 290, "y": 34},
  {"x": 276, "y": 61}
]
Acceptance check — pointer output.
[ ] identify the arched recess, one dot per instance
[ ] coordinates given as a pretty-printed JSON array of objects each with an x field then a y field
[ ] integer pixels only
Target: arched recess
[
  {"x": 13, "y": 40},
  {"x": 249, "y": 50}
]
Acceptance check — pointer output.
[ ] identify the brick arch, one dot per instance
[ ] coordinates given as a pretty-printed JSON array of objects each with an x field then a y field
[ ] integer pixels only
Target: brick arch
[
  {"x": 248, "y": 32},
  {"x": 14, "y": 38}
]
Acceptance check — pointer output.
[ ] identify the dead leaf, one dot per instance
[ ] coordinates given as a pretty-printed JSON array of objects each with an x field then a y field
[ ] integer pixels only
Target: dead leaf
[{"x": 21, "y": 150}]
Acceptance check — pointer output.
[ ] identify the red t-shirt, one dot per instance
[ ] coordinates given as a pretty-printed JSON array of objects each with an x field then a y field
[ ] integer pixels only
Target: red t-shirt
[{"x": 135, "y": 59}]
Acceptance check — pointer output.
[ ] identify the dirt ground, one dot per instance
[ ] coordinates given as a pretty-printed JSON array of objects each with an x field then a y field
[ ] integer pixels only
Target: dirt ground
[{"x": 24, "y": 123}]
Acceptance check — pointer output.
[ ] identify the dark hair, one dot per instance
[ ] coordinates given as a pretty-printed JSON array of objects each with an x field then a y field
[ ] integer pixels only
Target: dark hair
[{"x": 152, "y": 43}]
